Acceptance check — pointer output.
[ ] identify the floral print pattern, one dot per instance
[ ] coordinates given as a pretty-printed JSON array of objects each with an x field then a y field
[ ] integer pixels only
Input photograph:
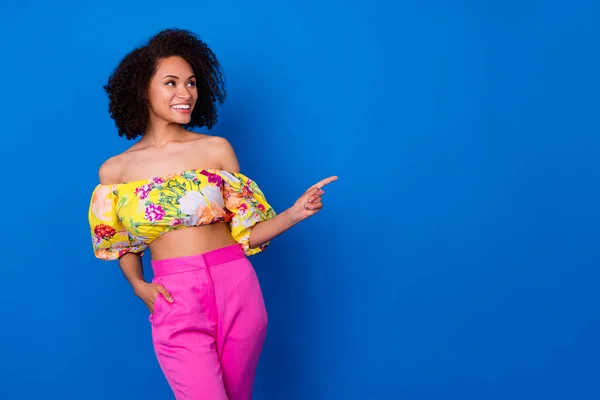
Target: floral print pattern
[{"x": 127, "y": 217}]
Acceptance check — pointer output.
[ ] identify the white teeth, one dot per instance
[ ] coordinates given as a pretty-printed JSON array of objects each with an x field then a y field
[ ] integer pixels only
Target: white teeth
[{"x": 182, "y": 106}]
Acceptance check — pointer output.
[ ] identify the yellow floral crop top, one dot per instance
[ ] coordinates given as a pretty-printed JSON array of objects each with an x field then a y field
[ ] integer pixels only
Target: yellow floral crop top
[{"x": 126, "y": 217}]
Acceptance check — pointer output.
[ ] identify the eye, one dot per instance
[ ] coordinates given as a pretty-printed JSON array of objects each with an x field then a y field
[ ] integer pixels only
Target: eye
[
  {"x": 192, "y": 83},
  {"x": 170, "y": 83}
]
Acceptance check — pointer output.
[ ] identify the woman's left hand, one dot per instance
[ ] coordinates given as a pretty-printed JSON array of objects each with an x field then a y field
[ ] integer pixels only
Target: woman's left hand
[{"x": 310, "y": 202}]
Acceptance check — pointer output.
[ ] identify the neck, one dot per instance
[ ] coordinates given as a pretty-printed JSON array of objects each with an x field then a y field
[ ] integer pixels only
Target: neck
[{"x": 160, "y": 133}]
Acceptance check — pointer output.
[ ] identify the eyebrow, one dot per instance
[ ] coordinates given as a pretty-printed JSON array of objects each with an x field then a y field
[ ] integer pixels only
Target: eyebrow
[{"x": 176, "y": 77}]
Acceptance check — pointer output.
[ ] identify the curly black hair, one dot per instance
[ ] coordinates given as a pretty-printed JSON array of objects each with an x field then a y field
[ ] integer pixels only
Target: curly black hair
[{"x": 128, "y": 85}]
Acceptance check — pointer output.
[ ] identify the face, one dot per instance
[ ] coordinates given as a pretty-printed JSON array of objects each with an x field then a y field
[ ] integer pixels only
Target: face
[{"x": 172, "y": 93}]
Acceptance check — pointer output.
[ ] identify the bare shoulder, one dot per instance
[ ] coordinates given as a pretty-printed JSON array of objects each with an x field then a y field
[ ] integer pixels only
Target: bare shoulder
[
  {"x": 224, "y": 154},
  {"x": 220, "y": 151},
  {"x": 206, "y": 142},
  {"x": 110, "y": 171},
  {"x": 214, "y": 142}
]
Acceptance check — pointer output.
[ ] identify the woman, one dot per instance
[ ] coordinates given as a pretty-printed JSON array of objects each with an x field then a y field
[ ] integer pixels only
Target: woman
[{"x": 181, "y": 195}]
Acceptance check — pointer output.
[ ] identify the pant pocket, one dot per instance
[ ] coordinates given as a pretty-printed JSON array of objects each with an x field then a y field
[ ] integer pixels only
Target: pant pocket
[
  {"x": 162, "y": 307},
  {"x": 193, "y": 308}
]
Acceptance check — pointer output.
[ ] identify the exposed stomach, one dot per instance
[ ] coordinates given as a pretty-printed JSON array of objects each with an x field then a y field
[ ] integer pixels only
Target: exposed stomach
[{"x": 191, "y": 240}]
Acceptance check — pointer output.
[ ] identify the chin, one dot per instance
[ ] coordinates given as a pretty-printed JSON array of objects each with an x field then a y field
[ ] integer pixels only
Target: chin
[{"x": 181, "y": 121}]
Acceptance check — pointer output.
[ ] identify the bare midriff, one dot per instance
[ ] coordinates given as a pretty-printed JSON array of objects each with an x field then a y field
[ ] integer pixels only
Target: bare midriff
[{"x": 191, "y": 240}]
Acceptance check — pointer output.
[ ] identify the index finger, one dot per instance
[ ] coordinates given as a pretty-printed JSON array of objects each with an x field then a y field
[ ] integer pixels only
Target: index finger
[{"x": 324, "y": 182}]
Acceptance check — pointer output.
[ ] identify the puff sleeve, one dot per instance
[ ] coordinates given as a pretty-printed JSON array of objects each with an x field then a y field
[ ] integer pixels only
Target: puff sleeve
[
  {"x": 247, "y": 206},
  {"x": 110, "y": 239}
]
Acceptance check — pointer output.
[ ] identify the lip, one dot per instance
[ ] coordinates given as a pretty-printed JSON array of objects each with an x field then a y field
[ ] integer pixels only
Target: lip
[{"x": 182, "y": 110}]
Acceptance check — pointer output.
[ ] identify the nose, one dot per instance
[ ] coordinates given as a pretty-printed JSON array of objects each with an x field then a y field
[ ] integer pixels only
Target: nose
[{"x": 183, "y": 93}]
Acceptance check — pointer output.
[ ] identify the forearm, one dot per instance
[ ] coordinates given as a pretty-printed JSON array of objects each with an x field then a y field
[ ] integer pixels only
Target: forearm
[
  {"x": 131, "y": 266},
  {"x": 267, "y": 230}
]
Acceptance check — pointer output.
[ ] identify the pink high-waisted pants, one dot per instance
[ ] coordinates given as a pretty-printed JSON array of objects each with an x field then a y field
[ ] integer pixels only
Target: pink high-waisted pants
[{"x": 208, "y": 341}]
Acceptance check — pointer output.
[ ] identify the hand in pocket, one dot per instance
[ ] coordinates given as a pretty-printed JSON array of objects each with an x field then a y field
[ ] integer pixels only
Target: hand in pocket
[{"x": 148, "y": 292}]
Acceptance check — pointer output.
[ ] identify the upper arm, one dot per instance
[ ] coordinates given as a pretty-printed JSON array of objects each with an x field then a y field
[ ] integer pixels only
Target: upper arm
[{"x": 226, "y": 155}]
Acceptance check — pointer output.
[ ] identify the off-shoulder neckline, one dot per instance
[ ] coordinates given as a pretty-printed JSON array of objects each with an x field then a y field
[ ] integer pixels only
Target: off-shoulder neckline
[{"x": 170, "y": 175}]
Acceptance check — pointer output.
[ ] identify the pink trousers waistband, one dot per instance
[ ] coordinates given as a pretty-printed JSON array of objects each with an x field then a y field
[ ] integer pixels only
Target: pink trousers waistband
[{"x": 197, "y": 261}]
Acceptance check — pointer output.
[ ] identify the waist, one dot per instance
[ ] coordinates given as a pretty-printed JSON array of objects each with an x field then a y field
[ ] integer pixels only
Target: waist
[
  {"x": 187, "y": 241},
  {"x": 205, "y": 260}
]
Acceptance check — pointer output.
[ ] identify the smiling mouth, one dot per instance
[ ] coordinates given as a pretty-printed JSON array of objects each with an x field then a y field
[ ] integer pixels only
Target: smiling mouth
[{"x": 181, "y": 107}]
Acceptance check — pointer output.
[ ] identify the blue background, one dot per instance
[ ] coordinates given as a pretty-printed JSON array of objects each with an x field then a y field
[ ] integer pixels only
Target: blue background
[{"x": 456, "y": 257}]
